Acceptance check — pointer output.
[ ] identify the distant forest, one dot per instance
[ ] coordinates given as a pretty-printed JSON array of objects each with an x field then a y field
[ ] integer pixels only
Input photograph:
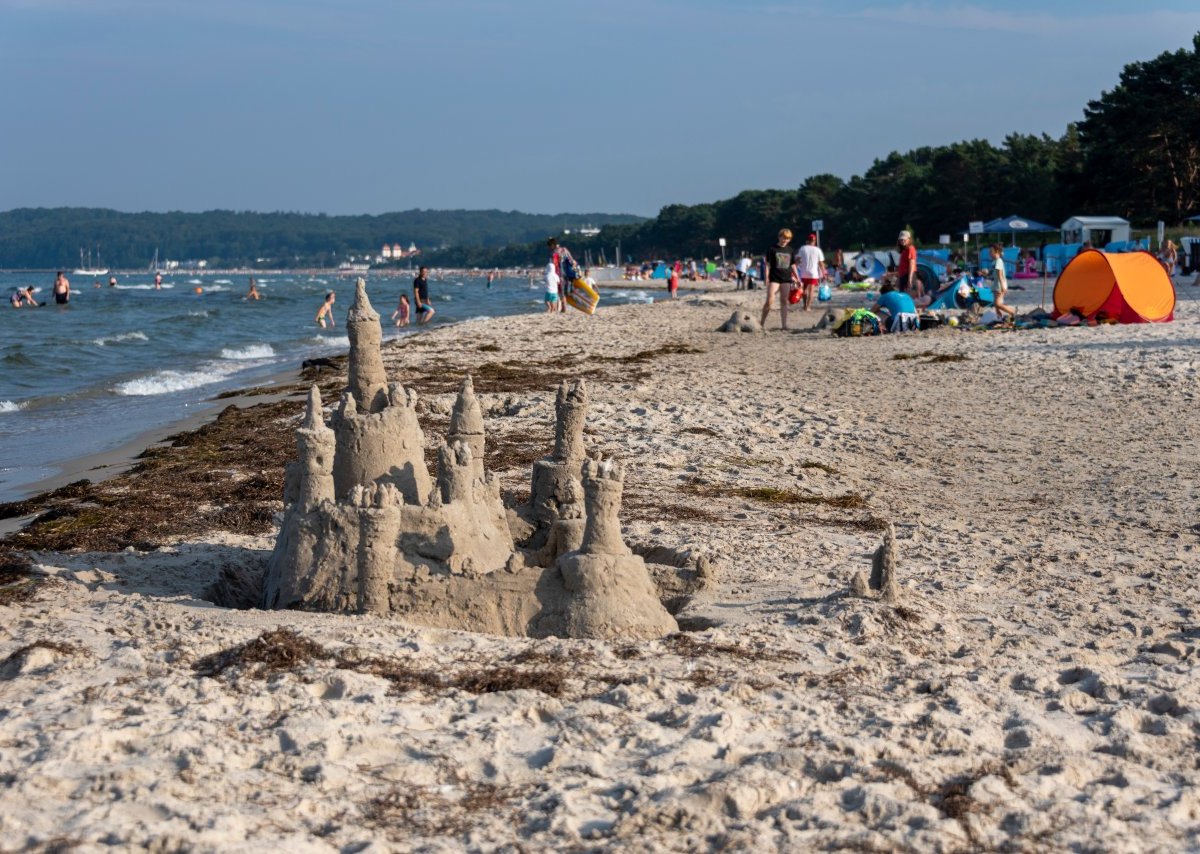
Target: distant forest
[
  {"x": 1135, "y": 153},
  {"x": 45, "y": 238}
]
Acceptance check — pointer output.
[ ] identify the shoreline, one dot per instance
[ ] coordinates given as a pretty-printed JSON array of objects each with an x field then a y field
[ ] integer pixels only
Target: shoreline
[{"x": 102, "y": 465}]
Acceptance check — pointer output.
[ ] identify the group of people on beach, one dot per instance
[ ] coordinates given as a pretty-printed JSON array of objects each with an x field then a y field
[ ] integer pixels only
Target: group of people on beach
[
  {"x": 793, "y": 274},
  {"x": 403, "y": 313}
]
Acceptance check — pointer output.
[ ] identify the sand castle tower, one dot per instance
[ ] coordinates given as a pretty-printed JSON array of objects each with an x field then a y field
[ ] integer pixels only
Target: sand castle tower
[
  {"x": 466, "y": 424},
  {"x": 378, "y": 437},
  {"x": 368, "y": 381},
  {"x": 608, "y": 589},
  {"x": 555, "y": 483}
]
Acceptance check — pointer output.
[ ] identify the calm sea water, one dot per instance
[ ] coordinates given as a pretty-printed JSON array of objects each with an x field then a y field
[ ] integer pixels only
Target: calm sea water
[{"x": 90, "y": 376}]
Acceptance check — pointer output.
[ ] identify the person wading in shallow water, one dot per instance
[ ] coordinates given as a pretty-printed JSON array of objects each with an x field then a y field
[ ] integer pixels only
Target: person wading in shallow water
[
  {"x": 780, "y": 261},
  {"x": 422, "y": 308},
  {"x": 62, "y": 289},
  {"x": 325, "y": 312}
]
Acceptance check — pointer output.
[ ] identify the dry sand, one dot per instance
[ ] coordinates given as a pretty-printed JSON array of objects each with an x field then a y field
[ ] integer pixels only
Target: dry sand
[{"x": 1035, "y": 688}]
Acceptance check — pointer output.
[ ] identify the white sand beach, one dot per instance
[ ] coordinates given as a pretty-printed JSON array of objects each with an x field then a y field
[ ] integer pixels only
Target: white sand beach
[{"x": 1034, "y": 688}]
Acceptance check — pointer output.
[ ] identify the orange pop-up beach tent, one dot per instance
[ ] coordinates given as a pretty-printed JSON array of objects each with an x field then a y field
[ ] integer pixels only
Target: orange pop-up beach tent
[{"x": 1132, "y": 287}]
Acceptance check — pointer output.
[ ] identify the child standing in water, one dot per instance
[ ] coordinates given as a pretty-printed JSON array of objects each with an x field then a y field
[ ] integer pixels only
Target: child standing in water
[
  {"x": 400, "y": 315},
  {"x": 325, "y": 312}
]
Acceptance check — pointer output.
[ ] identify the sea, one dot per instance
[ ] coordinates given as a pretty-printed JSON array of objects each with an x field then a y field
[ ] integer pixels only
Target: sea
[{"x": 120, "y": 362}]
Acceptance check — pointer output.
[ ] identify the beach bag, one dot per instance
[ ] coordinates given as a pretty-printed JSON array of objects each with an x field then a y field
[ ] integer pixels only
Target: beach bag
[
  {"x": 569, "y": 271},
  {"x": 794, "y": 295},
  {"x": 824, "y": 294},
  {"x": 857, "y": 323}
]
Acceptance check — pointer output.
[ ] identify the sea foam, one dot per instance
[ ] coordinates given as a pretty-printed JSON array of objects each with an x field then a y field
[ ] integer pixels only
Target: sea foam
[
  {"x": 117, "y": 339},
  {"x": 254, "y": 351},
  {"x": 9, "y": 406},
  {"x": 165, "y": 382}
]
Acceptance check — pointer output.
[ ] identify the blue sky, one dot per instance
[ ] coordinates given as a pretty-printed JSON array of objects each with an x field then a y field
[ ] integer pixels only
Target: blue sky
[{"x": 366, "y": 106}]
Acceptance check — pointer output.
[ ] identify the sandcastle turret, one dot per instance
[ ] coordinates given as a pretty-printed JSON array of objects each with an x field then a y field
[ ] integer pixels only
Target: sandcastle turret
[
  {"x": 882, "y": 583},
  {"x": 466, "y": 424},
  {"x": 382, "y": 447},
  {"x": 608, "y": 588},
  {"x": 603, "y": 486},
  {"x": 316, "y": 444},
  {"x": 368, "y": 380},
  {"x": 456, "y": 471},
  {"x": 551, "y": 488}
]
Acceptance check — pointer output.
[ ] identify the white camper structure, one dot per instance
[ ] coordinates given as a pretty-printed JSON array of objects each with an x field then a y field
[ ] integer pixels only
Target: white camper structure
[{"x": 1100, "y": 230}]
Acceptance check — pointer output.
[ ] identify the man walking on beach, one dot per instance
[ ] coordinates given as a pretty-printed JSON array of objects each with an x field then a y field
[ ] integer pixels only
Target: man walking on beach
[
  {"x": 421, "y": 305},
  {"x": 810, "y": 264},
  {"x": 780, "y": 261},
  {"x": 565, "y": 266}
]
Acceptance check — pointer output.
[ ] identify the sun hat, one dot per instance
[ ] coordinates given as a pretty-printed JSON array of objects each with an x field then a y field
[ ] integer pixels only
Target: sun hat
[{"x": 905, "y": 235}]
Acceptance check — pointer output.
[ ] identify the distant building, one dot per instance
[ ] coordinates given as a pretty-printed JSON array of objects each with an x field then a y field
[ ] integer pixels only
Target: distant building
[
  {"x": 386, "y": 254},
  {"x": 397, "y": 250}
]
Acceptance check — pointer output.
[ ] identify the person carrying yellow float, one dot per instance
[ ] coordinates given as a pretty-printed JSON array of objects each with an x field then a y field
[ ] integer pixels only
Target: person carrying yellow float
[{"x": 575, "y": 291}]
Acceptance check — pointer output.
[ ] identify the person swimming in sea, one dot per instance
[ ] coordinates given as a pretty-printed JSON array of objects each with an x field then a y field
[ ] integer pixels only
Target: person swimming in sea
[
  {"x": 253, "y": 292},
  {"x": 325, "y": 312}
]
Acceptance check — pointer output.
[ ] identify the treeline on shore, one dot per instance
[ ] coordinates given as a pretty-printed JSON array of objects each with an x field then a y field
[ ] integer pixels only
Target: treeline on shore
[
  {"x": 1135, "y": 154},
  {"x": 46, "y": 238}
]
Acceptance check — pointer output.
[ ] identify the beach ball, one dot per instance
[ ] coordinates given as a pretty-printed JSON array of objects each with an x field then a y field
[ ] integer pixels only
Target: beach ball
[
  {"x": 199, "y": 289},
  {"x": 953, "y": 321}
]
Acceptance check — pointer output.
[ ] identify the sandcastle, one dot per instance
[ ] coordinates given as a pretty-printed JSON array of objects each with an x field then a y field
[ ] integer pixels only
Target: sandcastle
[{"x": 367, "y": 530}]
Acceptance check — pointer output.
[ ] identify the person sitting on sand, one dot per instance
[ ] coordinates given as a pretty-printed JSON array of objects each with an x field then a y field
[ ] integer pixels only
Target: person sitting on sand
[
  {"x": 400, "y": 315},
  {"x": 325, "y": 312},
  {"x": 897, "y": 310},
  {"x": 424, "y": 308},
  {"x": 253, "y": 292}
]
